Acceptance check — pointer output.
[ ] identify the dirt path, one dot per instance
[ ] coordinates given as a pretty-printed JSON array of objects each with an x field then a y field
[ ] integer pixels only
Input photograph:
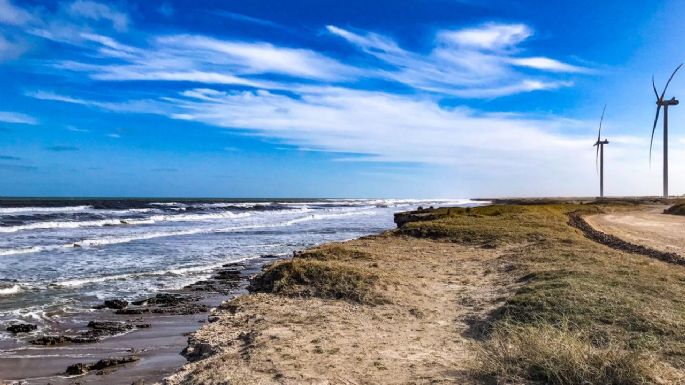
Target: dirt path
[
  {"x": 648, "y": 227},
  {"x": 439, "y": 293}
]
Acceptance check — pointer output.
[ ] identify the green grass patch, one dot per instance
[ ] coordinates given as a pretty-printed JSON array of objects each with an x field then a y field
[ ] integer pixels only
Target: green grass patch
[{"x": 323, "y": 279}]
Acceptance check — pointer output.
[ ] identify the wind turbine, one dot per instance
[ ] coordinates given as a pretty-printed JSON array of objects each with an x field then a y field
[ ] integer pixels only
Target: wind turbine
[
  {"x": 600, "y": 154},
  {"x": 665, "y": 103}
]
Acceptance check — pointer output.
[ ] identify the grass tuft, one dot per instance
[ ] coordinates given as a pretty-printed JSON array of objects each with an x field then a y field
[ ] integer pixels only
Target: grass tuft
[
  {"x": 556, "y": 356},
  {"x": 676, "y": 209},
  {"x": 323, "y": 279},
  {"x": 333, "y": 252}
]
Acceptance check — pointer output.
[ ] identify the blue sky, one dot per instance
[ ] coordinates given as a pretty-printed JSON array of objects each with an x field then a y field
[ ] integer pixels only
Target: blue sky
[{"x": 424, "y": 98}]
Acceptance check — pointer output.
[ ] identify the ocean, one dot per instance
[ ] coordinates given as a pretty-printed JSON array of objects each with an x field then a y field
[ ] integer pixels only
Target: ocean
[{"x": 64, "y": 257}]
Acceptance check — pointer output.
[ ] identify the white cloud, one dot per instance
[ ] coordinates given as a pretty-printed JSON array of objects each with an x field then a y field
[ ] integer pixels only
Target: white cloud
[
  {"x": 97, "y": 11},
  {"x": 16, "y": 117},
  {"x": 10, "y": 50},
  {"x": 543, "y": 63},
  {"x": 487, "y": 37},
  {"x": 380, "y": 126},
  {"x": 472, "y": 63},
  {"x": 13, "y": 15},
  {"x": 202, "y": 59}
]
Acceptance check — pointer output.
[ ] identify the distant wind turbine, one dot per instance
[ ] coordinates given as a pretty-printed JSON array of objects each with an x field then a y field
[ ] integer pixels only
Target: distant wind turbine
[
  {"x": 600, "y": 154},
  {"x": 665, "y": 103}
]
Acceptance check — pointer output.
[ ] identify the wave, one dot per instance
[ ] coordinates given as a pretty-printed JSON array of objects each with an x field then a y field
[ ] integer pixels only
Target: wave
[
  {"x": 176, "y": 271},
  {"x": 21, "y": 210},
  {"x": 14, "y": 289},
  {"x": 104, "y": 241},
  {"x": 122, "y": 221}
]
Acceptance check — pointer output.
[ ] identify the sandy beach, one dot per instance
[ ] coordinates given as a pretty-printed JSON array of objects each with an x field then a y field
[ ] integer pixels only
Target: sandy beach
[{"x": 502, "y": 293}]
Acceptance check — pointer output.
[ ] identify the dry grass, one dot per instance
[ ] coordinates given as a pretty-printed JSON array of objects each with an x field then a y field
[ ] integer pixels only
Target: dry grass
[
  {"x": 676, "y": 209},
  {"x": 561, "y": 357},
  {"x": 315, "y": 278},
  {"x": 598, "y": 308},
  {"x": 334, "y": 252}
]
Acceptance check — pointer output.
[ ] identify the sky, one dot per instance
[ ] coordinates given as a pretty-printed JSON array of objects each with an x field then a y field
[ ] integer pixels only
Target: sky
[{"x": 318, "y": 98}]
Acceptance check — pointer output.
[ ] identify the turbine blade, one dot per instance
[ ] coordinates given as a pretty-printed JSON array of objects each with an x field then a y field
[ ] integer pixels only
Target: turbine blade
[
  {"x": 669, "y": 80},
  {"x": 597, "y": 158},
  {"x": 599, "y": 133},
  {"x": 656, "y": 118},
  {"x": 656, "y": 93}
]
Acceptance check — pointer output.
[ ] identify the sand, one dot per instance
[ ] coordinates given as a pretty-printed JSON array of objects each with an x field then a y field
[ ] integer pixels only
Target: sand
[
  {"x": 647, "y": 226},
  {"x": 440, "y": 295}
]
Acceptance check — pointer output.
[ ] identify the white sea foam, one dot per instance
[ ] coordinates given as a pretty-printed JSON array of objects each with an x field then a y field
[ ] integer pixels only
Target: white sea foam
[
  {"x": 116, "y": 222},
  {"x": 14, "y": 289},
  {"x": 177, "y": 271},
  {"x": 104, "y": 241},
  {"x": 24, "y": 210}
]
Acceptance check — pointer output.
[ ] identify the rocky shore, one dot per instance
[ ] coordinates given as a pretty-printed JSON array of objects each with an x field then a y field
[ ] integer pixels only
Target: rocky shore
[{"x": 107, "y": 336}]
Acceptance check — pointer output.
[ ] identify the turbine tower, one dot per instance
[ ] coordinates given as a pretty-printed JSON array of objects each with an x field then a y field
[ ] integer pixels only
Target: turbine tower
[
  {"x": 600, "y": 154},
  {"x": 660, "y": 102}
]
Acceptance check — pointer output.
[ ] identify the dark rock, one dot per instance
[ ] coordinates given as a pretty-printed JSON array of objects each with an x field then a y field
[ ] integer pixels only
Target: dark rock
[
  {"x": 185, "y": 309},
  {"x": 269, "y": 256},
  {"x": 101, "y": 328},
  {"x": 62, "y": 339},
  {"x": 49, "y": 340},
  {"x": 77, "y": 369},
  {"x": 83, "y": 339},
  {"x": 83, "y": 368},
  {"x": 143, "y": 326},
  {"x": 109, "y": 362},
  {"x": 132, "y": 311},
  {"x": 21, "y": 328},
  {"x": 116, "y": 303}
]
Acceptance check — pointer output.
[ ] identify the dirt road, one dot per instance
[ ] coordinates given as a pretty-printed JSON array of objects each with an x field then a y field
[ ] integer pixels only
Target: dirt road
[{"x": 648, "y": 227}]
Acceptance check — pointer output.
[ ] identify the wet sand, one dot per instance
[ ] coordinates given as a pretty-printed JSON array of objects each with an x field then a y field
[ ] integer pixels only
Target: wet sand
[
  {"x": 158, "y": 347},
  {"x": 648, "y": 227}
]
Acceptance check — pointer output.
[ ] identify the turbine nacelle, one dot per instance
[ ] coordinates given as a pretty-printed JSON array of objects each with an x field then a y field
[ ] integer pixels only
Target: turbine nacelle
[
  {"x": 597, "y": 143},
  {"x": 669, "y": 102}
]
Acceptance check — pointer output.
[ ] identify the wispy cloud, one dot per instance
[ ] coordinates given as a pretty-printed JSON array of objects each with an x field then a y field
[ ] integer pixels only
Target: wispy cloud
[
  {"x": 62, "y": 148},
  {"x": 75, "y": 129},
  {"x": 98, "y": 11},
  {"x": 477, "y": 62},
  {"x": 379, "y": 126},
  {"x": 246, "y": 19},
  {"x": 11, "y": 49},
  {"x": 202, "y": 59},
  {"x": 17, "y": 118},
  {"x": 13, "y": 15}
]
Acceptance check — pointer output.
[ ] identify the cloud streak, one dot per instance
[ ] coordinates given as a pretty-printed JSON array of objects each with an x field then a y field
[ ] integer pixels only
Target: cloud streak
[
  {"x": 17, "y": 118},
  {"x": 469, "y": 63}
]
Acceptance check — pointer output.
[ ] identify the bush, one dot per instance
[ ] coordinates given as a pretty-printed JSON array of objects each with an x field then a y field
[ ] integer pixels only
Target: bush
[{"x": 323, "y": 279}]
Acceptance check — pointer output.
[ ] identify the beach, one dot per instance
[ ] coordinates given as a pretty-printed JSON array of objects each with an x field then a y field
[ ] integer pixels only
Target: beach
[
  {"x": 498, "y": 294},
  {"x": 64, "y": 260},
  {"x": 519, "y": 291}
]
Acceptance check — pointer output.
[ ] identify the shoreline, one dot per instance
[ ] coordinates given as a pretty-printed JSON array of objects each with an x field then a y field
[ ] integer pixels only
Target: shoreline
[{"x": 157, "y": 345}]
